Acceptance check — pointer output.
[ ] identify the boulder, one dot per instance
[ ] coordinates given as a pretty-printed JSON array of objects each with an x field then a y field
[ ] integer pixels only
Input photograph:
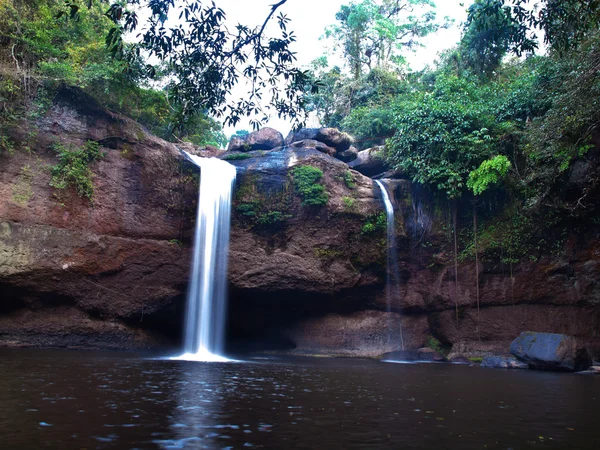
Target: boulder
[
  {"x": 503, "y": 362},
  {"x": 331, "y": 137},
  {"x": 335, "y": 138},
  {"x": 311, "y": 143},
  {"x": 301, "y": 134},
  {"x": 263, "y": 139},
  {"x": 348, "y": 155},
  {"x": 550, "y": 351},
  {"x": 368, "y": 162}
]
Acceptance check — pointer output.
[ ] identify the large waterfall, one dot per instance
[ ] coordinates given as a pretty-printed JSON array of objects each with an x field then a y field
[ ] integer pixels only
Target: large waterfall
[
  {"x": 392, "y": 283},
  {"x": 207, "y": 296}
]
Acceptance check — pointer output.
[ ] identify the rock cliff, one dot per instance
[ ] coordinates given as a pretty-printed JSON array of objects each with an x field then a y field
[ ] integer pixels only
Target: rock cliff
[{"x": 113, "y": 272}]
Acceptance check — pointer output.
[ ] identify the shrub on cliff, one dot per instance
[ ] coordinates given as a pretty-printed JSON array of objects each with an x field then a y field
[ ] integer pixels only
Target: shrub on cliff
[{"x": 73, "y": 168}]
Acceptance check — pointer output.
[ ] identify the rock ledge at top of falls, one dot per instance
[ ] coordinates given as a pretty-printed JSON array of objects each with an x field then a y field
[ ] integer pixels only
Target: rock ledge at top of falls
[
  {"x": 263, "y": 139},
  {"x": 551, "y": 351}
]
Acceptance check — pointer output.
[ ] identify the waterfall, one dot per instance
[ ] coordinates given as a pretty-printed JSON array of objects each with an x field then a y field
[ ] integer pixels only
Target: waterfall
[
  {"x": 207, "y": 296},
  {"x": 391, "y": 286}
]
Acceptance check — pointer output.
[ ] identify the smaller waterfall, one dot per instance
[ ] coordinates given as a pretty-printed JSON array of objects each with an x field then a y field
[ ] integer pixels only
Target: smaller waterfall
[
  {"x": 392, "y": 284},
  {"x": 207, "y": 296}
]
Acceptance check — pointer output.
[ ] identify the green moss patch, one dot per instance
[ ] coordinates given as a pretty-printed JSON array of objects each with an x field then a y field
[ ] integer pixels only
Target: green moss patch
[{"x": 307, "y": 186}]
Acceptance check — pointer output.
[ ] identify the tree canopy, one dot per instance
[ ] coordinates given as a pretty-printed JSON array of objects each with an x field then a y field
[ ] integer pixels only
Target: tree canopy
[
  {"x": 373, "y": 33},
  {"x": 203, "y": 58}
]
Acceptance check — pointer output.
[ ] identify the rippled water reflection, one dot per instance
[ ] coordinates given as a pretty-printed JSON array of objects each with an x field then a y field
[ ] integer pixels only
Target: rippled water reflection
[{"x": 54, "y": 399}]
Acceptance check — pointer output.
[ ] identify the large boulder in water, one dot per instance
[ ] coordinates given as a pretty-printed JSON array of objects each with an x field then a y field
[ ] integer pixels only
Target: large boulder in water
[
  {"x": 550, "y": 351},
  {"x": 263, "y": 139}
]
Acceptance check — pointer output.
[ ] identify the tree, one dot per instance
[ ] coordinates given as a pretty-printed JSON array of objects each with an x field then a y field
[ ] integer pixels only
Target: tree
[
  {"x": 443, "y": 133},
  {"x": 486, "y": 38},
  {"x": 564, "y": 23},
  {"x": 42, "y": 48},
  {"x": 373, "y": 33},
  {"x": 356, "y": 105},
  {"x": 204, "y": 59}
]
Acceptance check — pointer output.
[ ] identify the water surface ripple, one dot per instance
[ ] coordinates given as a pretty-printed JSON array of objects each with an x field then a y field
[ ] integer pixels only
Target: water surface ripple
[{"x": 59, "y": 399}]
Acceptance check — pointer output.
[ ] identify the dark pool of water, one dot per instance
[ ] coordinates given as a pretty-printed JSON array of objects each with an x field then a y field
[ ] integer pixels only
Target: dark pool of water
[{"x": 64, "y": 400}]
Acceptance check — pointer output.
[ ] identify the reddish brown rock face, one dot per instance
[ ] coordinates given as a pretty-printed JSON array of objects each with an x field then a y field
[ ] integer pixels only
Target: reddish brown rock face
[
  {"x": 115, "y": 259},
  {"x": 363, "y": 334}
]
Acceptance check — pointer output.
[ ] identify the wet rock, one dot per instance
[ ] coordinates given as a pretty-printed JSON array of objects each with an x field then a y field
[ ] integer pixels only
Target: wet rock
[
  {"x": 125, "y": 259},
  {"x": 263, "y": 139},
  {"x": 368, "y": 162},
  {"x": 429, "y": 354},
  {"x": 422, "y": 354},
  {"x": 594, "y": 370},
  {"x": 68, "y": 327},
  {"x": 550, "y": 351},
  {"x": 503, "y": 362},
  {"x": 110, "y": 264},
  {"x": 307, "y": 250},
  {"x": 459, "y": 360},
  {"x": 494, "y": 329}
]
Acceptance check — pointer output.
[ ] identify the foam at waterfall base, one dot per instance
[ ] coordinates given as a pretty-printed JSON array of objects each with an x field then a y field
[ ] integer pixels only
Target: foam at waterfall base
[{"x": 203, "y": 355}]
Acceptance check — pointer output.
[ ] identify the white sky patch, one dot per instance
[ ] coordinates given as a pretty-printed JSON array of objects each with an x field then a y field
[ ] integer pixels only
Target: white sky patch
[{"x": 309, "y": 18}]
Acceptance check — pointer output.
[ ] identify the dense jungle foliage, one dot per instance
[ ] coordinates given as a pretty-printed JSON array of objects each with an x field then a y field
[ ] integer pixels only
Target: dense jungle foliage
[{"x": 497, "y": 128}]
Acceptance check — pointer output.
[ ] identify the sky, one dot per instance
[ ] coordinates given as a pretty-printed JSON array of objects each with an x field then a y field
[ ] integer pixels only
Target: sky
[{"x": 311, "y": 17}]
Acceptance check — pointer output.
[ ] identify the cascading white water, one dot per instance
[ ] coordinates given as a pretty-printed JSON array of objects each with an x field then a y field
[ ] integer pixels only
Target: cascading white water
[
  {"x": 207, "y": 296},
  {"x": 391, "y": 287}
]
